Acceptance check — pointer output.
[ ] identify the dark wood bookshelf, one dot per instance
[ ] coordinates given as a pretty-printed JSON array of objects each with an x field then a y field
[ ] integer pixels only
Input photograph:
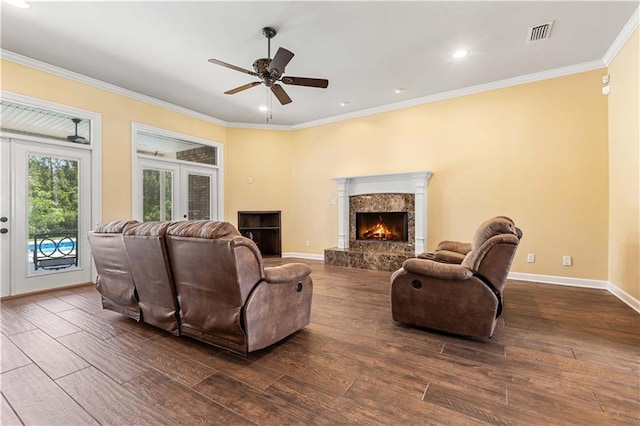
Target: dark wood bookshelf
[{"x": 263, "y": 227}]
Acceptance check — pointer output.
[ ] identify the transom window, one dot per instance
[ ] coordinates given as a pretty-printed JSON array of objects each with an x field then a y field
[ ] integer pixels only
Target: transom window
[
  {"x": 173, "y": 148},
  {"x": 30, "y": 120}
]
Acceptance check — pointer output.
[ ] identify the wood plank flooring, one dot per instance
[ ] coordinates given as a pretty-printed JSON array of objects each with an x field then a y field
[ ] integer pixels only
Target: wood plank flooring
[{"x": 559, "y": 355}]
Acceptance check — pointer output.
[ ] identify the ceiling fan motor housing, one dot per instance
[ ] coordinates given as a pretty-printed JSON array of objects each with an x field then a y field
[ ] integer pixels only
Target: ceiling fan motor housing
[{"x": 261, "y": 66}]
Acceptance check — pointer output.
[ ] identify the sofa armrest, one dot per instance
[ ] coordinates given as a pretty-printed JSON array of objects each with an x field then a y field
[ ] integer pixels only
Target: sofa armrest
[
  {"x": 286, "y": 273},
  {"x": 429, "y": 268},
  {"x": 445, "y": 256},
  {"x": 455, "y": 246}
]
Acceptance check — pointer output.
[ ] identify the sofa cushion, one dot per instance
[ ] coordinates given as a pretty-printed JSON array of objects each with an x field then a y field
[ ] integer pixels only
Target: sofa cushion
[{"x": 146, "y": 249}]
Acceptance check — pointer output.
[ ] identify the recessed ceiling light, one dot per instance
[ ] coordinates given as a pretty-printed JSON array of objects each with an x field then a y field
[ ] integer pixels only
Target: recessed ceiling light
[
  {"x": 344, "y": 103},
  {"x": 263, "y": 108},
  {"x": 459, "y": 54},
  {"x": 399, "y": 90},
  {"x": 18, "y": 3}
]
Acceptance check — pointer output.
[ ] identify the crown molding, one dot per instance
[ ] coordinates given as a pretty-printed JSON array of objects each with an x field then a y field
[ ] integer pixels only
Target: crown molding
[
  {"x": 89, "y": 81},
  {"x": 258, "y": 126},
  {"x": 625, "y": 34},
  {"x": 500, "y": 84}
]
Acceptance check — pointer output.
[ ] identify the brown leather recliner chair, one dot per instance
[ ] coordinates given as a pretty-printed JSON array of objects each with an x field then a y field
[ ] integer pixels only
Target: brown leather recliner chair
[
  {"x": 226, "y": 295},
  {"x": 149, "y": 263},
  {"x": 454, "y": 251},
  {"x": 115, "y": 280},
  {"x": 466, "y": 298}
]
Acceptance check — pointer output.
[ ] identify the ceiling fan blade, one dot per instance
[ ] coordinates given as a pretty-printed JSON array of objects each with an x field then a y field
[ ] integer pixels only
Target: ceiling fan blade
[
  {"x": 233, "y": 67},
  {"x": 304, "y": 81},
  {"x": 281, "y": 94},
  {"x": 282, "y": 58},
  {"x": 243, "y": 87}
]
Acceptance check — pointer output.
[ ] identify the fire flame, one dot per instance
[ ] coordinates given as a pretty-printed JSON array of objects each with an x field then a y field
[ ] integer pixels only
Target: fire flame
[{"x": 379, "y": 232}]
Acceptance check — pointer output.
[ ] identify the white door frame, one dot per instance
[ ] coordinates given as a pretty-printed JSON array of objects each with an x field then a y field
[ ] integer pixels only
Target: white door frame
[
  {"x": 181, "y": 171},
  {"x": 96, "y": 171},
  {"x": 5, "y": 212},
  {"x": 136, "y": 176}
]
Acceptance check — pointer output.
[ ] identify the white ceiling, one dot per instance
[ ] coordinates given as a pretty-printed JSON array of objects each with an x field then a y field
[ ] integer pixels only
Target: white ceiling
[{"x": 364, "y": 49}]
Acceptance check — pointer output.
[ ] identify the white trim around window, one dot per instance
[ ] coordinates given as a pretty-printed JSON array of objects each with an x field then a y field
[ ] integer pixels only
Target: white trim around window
[
  {"x": 135, "y": 180},
  {"x": 95, "y": 147}
]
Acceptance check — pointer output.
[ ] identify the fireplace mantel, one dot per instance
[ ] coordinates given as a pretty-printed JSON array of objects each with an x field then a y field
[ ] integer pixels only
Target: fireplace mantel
[{"x": 391, "y": 183}]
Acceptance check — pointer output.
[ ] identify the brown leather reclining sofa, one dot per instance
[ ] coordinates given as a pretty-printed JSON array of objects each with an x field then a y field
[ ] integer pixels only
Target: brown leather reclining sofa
[{"x": 200, "y": 279}]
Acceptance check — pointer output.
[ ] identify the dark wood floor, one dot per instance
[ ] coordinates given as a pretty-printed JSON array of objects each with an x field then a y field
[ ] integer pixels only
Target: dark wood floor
[{"x": 560, "y": 355}]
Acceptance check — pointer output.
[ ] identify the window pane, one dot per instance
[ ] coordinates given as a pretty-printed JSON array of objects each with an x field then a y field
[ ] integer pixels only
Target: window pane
[
  {"x": 34, "y": 121},
  {"x": 53, "y": 213},
  {"x": 199, "y": 197},
  {"x": 168, "y": 195},
  {"x": 157, "y": 195},
  {"x": 151, "y": 195},
  {"x": 179, "y": 149}
]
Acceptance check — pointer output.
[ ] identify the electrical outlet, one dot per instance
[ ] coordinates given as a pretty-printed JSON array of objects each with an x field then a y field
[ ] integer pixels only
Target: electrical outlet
[
  {"x": 566, "y": 260},
  {"x": 307, "y": 243},
  {"x": 250, "y": 179},
  {"x": 531, "y": 258}
]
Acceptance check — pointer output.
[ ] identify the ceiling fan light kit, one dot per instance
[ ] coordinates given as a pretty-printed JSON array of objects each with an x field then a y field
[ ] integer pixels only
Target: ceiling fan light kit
[{"x": 270, "y": 72}]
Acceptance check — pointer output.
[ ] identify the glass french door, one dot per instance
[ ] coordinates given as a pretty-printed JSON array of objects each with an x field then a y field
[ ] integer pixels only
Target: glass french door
[
  {"x": 173, "y": 191},
  {"x": 46, "y": 214}
]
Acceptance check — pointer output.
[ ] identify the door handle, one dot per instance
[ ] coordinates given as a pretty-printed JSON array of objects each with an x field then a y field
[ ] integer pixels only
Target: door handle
[
  {"x": 3, "y": 230},
  {"x": 3, "y": 219}
]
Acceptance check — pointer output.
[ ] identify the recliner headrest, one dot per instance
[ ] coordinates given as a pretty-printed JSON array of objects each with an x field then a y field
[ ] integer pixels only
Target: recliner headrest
[
  {"x": 492, "y": 227},
  {"x": 203, "y": 229},
  {"x": 115, "y": 227},
  {"x": 147, "y": 229}
]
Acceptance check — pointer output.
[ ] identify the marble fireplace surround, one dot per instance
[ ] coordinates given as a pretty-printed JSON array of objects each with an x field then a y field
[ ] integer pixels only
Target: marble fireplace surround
[{"x": 386, "y": 185}]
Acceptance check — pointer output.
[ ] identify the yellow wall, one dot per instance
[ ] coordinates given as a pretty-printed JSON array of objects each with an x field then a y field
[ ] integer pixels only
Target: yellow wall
[
  {"x": 117, "y": 114},
  {"x": 264, "y": 156},
  {"x": 535, "y": 152},
  {"x": 624, "y": 169}
]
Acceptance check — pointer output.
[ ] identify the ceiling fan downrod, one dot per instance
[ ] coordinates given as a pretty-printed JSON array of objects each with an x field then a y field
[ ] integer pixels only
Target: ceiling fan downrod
[{"x": 269, "y": 33}]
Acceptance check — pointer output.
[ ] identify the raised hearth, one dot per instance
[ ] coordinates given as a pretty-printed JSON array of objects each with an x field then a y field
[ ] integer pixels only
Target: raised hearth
[{"x": 382, "y": 220}]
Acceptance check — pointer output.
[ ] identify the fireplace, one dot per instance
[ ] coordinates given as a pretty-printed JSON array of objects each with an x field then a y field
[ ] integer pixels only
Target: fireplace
[
  {"x": 382, "y": 226},
  {"x": 364, "y": 203}
]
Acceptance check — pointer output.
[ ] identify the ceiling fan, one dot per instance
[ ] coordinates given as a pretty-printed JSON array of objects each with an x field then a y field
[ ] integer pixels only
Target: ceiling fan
[
  {"x": 270, "y": 72},
  {"x": 76, "y": 138}
]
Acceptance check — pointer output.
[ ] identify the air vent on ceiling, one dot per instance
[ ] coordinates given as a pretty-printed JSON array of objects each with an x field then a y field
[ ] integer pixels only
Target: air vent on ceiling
[{"x": 540, "y": 32}]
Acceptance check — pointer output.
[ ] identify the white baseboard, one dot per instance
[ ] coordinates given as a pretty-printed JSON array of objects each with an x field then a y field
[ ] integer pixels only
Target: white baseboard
[
  {"x": 580, "y": 282},
  {"x": 624, "y": 296},
  {"x": 553, "y": 279},
  {"x": 309, "y": 256}
]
